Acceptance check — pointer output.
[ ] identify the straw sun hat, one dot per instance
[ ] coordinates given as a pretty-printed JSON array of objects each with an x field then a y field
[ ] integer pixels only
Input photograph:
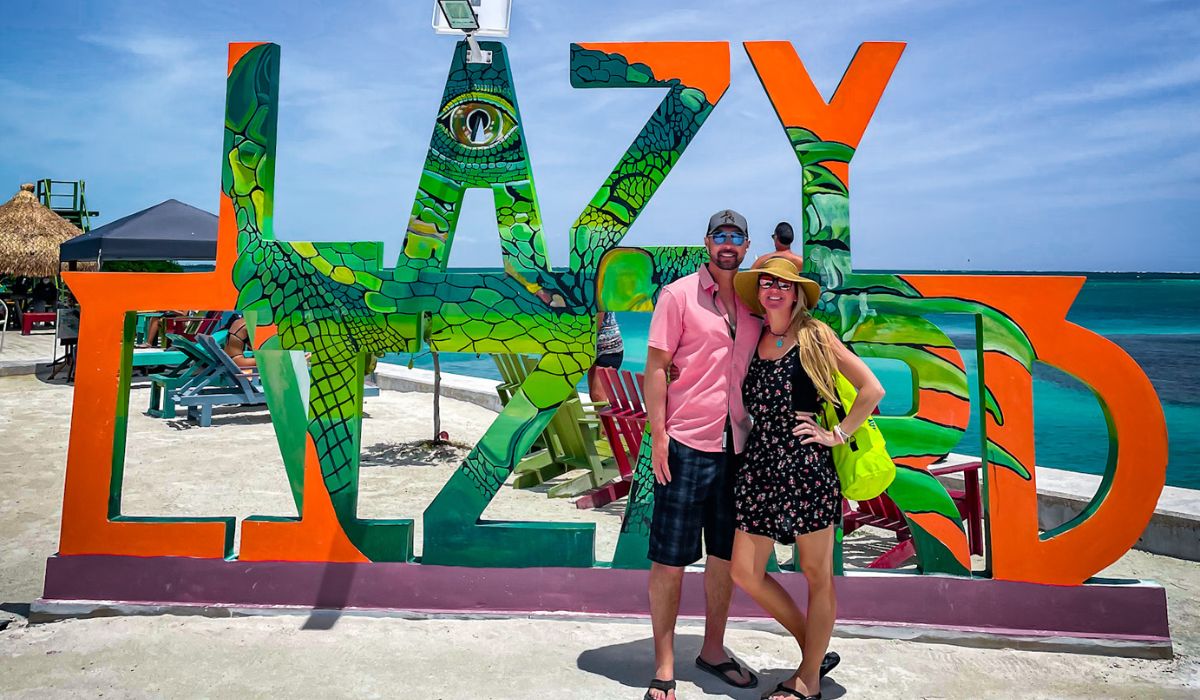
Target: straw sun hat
[{"x": 746, "y": 283}]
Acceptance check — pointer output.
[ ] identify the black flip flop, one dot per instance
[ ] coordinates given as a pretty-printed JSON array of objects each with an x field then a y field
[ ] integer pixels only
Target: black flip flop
[
  {"x": 719, "y": 670},
  {"x": 829, "y": 662},
  {"x": 665, "y": 686},
  {"x": 781, "y": 688}
]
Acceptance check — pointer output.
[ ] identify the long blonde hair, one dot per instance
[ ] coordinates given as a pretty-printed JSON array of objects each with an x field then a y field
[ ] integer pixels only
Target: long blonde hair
[{"x": 816, "y": 342}]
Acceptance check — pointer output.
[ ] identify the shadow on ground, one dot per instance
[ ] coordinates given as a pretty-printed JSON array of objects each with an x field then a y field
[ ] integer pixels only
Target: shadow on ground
[
  {"x": 420, "y": 453},
  {"x": 225, "y": 415},
  {"x": 632, "y": 664},
  {"x": 864, "y": 546},
  {"x": 321, "y": 620},
  {"x": 17, "y": 610}
]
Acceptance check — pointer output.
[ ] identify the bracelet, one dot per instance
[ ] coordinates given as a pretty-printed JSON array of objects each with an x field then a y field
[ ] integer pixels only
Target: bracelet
[{"x": 837, "y": 429}]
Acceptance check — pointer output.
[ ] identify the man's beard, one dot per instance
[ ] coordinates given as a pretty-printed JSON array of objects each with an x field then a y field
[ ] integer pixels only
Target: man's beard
[{"x": 726, "y": 263}]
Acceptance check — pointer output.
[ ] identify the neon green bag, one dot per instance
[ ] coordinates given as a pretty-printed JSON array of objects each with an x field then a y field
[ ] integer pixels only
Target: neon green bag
[{"x": 863, "y": 464}]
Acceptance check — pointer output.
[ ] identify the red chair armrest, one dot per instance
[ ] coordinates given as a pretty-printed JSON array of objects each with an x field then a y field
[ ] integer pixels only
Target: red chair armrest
[{"x": 956, "y": 469}]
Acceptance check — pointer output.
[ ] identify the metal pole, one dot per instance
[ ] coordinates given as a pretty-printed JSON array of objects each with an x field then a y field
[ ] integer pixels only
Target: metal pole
[
  {"x": 437, "y": 396},
  {"x": 474, "y": 53}
]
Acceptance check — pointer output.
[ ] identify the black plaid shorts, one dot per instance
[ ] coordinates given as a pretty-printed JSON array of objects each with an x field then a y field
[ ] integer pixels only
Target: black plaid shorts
[{"x": 697, "y": 503}]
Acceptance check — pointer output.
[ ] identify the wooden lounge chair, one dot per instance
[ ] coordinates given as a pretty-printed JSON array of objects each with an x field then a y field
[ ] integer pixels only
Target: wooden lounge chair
[
  {"x": 512, "y": 372},
  {"x": 165, "y": 386},
  {"x": 208, "y": 378},
  {"x": 538, "y": 465},
  {"x": 575, "y": 440},
  {"x": 226, "y": 384},
  {"x": 147, "y": 359},
  {"x": 569, "y": 441},
  {"x": 144, "y": 357}
]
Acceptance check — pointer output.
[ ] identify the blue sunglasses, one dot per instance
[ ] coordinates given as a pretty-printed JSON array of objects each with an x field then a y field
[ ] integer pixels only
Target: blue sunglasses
[{"x": 722, "y": 237}]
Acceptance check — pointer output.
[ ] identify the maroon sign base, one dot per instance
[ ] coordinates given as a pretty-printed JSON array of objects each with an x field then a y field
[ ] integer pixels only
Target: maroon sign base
[{"x": 1127, "y": 618}]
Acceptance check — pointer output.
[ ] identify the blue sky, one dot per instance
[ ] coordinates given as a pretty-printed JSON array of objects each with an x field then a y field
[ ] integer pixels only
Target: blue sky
[{"x": 1013, "y": 136}]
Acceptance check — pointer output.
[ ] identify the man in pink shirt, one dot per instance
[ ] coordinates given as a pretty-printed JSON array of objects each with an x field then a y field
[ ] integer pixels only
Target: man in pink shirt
[{"x": 699, "y": 428}]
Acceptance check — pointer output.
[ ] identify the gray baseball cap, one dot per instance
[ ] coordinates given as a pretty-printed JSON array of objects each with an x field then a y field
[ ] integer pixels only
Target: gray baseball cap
[{"x": 728, "y": 217}]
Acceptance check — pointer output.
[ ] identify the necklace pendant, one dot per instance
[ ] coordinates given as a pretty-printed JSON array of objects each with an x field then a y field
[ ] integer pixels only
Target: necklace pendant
[{"x": 779, "y": 343}]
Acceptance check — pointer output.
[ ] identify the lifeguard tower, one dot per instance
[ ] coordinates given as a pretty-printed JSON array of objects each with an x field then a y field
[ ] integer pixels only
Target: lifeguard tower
[{"x": 67, "y": 198}]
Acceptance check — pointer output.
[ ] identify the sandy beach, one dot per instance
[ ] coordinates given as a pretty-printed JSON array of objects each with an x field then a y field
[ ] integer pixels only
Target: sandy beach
[{"x": 233, "y": 468}]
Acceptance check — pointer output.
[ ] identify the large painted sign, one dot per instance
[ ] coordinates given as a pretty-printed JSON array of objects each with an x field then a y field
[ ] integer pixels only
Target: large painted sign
[{"x": 339, "y": 303}]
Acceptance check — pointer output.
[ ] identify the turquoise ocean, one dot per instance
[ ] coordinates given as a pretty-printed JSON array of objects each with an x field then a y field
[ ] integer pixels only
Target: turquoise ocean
[{"x": 1156, "y": 319}]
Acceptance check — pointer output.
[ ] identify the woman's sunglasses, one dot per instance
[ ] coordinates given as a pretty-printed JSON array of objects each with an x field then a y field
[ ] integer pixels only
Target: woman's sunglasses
[
  {"x": 722, "y": 237},
  {"x": 767, "y": 281}
]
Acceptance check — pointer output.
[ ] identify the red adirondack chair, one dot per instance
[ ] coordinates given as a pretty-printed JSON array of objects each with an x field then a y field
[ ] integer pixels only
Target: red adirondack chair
[
  {"x": 969, "y": 499},
  {"x": 883, "y": 513},
  {"x": 624, "y": 421}
]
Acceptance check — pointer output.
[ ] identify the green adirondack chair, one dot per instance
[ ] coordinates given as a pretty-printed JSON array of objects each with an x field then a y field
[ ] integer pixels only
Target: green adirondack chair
[
  {"x": 572, "y": 440},
  {"x": 538, "y": 465},
  {"x": 513, "y": 372},
  {"x": 575, "y": 435}
]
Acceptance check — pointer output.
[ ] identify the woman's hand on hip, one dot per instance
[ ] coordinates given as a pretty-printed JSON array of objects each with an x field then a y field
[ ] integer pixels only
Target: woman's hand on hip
[{"x": 807, "y": 428}]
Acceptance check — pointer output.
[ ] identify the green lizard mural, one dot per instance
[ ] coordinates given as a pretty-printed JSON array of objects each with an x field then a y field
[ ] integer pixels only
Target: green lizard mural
[{"x": 337, "y": 303}]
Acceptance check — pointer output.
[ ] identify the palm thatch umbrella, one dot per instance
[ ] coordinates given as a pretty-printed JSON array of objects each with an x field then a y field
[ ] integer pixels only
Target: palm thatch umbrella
[{"x": 30, "y": 235}]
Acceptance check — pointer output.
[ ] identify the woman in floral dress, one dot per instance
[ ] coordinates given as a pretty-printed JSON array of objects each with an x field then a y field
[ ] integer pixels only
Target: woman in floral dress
[{"x": 787, "y": 489}]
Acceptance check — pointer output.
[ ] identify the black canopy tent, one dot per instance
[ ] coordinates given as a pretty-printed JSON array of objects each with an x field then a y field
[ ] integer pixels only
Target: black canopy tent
[{"x": 168, "y": 231}]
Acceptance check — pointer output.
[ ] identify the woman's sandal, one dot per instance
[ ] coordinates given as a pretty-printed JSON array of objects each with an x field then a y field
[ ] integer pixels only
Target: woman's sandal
[
  {"x": 665, "y": 686},
  {"x": 790, "y": 692},
  {"x": 829, "y": 662},
  {"x": 720, "y": 671}
]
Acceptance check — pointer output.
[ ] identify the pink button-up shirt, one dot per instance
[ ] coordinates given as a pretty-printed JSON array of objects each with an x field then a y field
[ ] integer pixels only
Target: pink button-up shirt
[{"x": 712, "y": 362}]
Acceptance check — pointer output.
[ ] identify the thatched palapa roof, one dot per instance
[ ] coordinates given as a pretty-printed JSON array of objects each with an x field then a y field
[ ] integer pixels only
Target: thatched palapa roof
[{"x": 30, "y": 235}]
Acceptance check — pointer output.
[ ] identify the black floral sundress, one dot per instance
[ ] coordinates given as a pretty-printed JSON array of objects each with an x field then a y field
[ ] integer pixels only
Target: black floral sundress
[{"x": 783, "y": 488}]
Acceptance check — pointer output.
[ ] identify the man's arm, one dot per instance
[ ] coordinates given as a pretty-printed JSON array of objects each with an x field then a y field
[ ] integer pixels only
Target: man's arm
[
  {"x": 666, "y": 327},
  {"x": 657, "y": 362}
]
